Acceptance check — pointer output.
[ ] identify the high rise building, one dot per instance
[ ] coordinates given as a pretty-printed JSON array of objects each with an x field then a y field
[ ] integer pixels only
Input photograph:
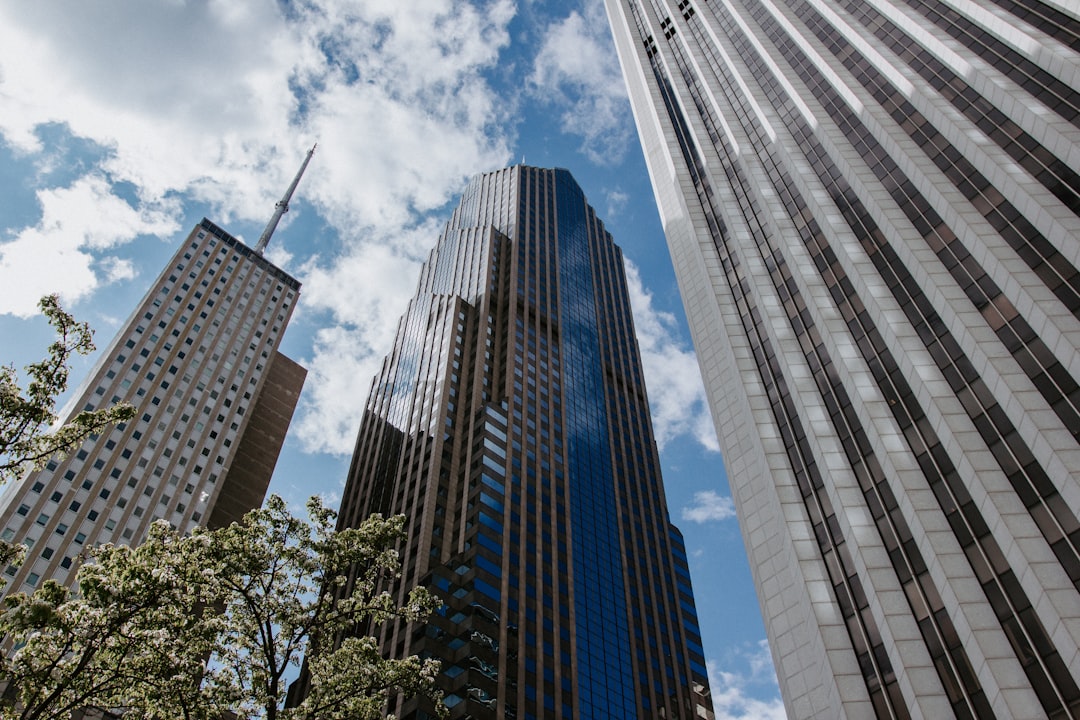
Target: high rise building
[
  {"x": 510, "y": 425},
  {"x": 872, "y": 211},
  {"x": 199, "y": 360}
]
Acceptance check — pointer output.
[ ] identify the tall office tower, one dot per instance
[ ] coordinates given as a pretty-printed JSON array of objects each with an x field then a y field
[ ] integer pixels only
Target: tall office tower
[
  {"x": 510, "y": 424},
  {"x": 872, "y": 211},
  {"x": 198, "y": 359}
]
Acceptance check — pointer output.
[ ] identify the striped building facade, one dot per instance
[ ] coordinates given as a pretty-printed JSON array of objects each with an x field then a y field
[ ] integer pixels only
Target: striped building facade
[
  {"x": 510, "y": 425},
  {"x": 872, "y": 208},
  {"x": 199, "y": 360}
]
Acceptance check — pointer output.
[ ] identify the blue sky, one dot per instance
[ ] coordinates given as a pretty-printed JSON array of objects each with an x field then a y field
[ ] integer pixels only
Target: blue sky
[{"x": 122, "y": 124}]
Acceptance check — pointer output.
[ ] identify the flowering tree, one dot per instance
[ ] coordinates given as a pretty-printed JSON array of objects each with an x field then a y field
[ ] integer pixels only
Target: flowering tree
[
  {"x": 192, "y": 627},
  {"x": 26, "y": 415},
  {"x": 195, "y": 627},
  {"x": 285, "y": 582},
  {"x": 136, "y": 631}
]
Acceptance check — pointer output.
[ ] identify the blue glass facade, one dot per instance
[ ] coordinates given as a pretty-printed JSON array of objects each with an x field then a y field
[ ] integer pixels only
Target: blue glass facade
[
  {"x": 510, "y": 424},
  {"x": 606, "y": 682}
]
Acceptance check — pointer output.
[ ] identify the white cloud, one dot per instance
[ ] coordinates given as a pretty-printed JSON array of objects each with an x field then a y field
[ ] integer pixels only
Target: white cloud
[
  {"x": 709, "y": 505},
  {"x": 616, "y": 202},
  {"x": 365, "y": 292},
  {"x": 63, "y": 253},
  {"x": 175, "y": 89},
  {"x": 214, "y": 103},
  {"x": 280, "y": 256},
  {"x": 218, "y": 100},
  {"x": 117, "y": 269},
  {"x": 676, "y": 393},
  {"x": 577, "y": 71},
  {"x": 338, "y": 382},
  {"x": 737, "y": 695}
]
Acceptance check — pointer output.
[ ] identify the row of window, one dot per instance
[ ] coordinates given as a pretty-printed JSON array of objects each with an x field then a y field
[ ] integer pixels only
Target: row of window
[
  {"x": 1062, "y": 393},
  {"x": 937, "y": 628},
  {"x": 881, "y": 681},
  {"x": 830, "y": 174},
  {"x": 162, "y": 367},
  {"x": 1054, "y": 93}
]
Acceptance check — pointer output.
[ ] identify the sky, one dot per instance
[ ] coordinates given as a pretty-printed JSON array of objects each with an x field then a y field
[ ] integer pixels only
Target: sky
[{"x": 122, "y": 124}]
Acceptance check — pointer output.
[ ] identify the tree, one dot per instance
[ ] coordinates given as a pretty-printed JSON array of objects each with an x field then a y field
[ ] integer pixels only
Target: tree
[
  {"x": 196, "y": 626},
  {"x": 139, "y": 634},
  {"x": 137, "y": 627},
  {"x": 26, "y": 415},
  {"x": 286, "y": 583}
]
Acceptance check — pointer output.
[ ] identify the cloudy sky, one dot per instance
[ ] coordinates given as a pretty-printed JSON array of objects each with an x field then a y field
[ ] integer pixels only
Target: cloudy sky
[{"x": 122, "y": 123}]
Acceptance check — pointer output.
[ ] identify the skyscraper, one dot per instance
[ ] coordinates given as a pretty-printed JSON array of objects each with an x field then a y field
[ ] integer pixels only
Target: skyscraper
[
  {"x": 872, "y": 212},
  {"x": 510, "y": 424},
  {"x": 198, "y": 359}
]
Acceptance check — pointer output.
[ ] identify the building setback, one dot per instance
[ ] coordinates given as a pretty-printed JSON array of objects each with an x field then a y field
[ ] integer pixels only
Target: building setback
[
  {"x": 872, "y": 212},
  {"x": 199, "y": 361},
  {"x": 510, "y": 425}
]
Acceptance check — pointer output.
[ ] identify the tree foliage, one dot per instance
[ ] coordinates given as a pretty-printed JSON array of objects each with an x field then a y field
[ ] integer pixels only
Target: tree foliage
[
  {"x": 192, "y": 627},
  {"x": 286, "y": 582},
  {"x": 137, "y": 629},
  {"x": 195, "y": 627},
  {"x": 26, "y": 415}
]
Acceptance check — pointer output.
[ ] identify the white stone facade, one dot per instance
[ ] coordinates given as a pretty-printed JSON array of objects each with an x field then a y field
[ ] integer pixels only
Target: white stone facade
[{"x": 872, "y": 209}]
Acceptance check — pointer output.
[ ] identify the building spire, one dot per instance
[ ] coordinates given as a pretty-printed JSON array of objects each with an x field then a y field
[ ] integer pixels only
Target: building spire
[{"x": 282, "y": 205}]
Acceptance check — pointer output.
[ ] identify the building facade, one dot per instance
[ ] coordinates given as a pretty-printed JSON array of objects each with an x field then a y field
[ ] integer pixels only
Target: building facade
[
  {"x": 199, "y": 360},
  {"x": 510, "y": 425},
  {"x": 872, "y": 211}
]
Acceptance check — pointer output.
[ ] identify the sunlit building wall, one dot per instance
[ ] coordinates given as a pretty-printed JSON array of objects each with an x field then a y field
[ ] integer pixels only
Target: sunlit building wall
[
  {"x": 510, "y": 425},
  {"x": 199, "y": 361},
  {"x": 871, "y": 206}
]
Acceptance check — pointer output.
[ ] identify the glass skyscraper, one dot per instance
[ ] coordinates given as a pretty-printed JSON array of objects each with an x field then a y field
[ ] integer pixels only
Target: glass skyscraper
[
  {"x": 872, "y": 209},
  {"x": 510, "y": 425}
]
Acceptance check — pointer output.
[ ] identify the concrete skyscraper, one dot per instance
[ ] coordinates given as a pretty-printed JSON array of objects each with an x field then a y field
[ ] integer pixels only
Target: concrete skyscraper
[
  {"x": 510, "y": 425},
  {"x": 872, "y": 211},
  {"x": 198, "y": 359}
]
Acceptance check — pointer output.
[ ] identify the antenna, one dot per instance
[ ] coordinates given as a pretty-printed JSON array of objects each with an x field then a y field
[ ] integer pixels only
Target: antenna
[{"x": 282, "y": 206}]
